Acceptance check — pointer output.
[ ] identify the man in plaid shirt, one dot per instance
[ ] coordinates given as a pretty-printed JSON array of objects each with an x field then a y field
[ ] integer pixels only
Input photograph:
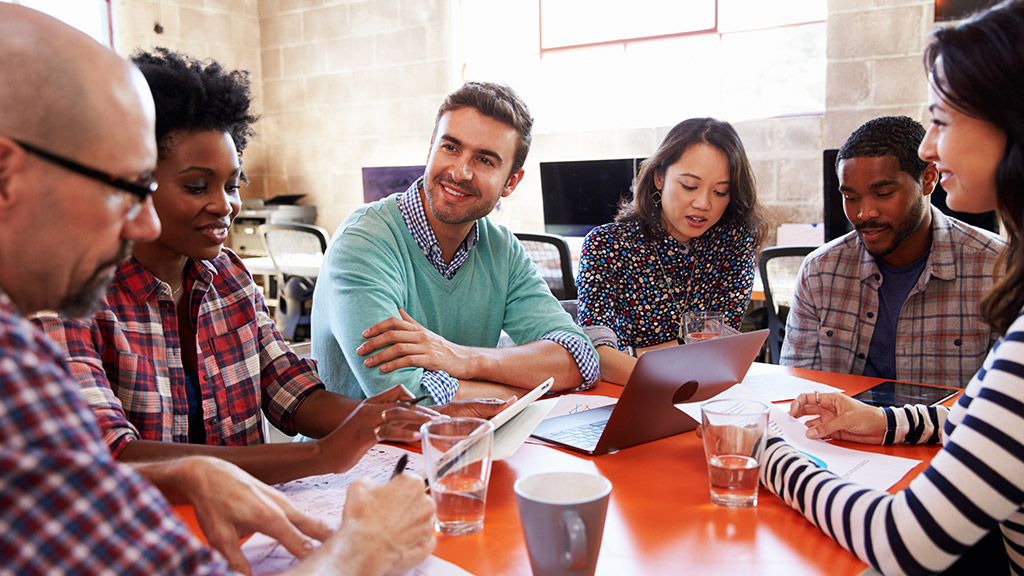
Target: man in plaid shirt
[
  {"x": 76, "y": 156},
  {"x": 898, "y": 297}
]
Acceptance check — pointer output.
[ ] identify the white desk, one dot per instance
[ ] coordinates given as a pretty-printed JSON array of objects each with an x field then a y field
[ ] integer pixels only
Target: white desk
[{"x": 265, "y": 273}]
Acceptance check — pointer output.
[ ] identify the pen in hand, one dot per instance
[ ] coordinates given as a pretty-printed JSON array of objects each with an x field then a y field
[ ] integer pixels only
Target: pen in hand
[
  {"x": 416, "y": 400},
  {"x": 400, "y": 465}
]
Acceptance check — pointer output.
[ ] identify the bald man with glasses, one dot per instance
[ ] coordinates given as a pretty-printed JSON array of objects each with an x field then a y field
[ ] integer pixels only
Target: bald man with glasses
[{"x": 77, "y": 152}]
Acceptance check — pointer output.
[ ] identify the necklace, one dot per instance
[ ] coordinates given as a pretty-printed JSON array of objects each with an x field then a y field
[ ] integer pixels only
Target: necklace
[
  {"x": 178, "y": 289},
  {"x": 674, "y": 292}
]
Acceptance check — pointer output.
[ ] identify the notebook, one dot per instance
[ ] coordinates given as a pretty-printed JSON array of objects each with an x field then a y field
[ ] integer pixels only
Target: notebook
[{"x": 662, "y": 378}]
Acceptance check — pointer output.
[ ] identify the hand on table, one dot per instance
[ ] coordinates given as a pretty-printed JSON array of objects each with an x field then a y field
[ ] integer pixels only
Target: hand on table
[
  {"x": 840, "y": 417},
  {"x": 230, "y": 504},
  {"x": 406, "y": 343}
]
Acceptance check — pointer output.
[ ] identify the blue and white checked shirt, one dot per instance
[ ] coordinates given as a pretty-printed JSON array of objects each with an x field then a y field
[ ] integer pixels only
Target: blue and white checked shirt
[{"x": 439, "y": 383}]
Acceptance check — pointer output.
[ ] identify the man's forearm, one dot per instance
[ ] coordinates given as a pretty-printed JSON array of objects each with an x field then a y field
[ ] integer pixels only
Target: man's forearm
[
  {"x": 470, "y": 389},
  {"x": 270, "y": 463},
  {"x": 526, "y": 366}
]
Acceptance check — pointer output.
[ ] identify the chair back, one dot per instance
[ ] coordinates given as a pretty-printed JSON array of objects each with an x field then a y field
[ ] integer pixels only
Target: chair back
[
  {"x": 550, "y": 253},
  {"x": 297, "y": 251},
  {"x": 778, "y": 267}
]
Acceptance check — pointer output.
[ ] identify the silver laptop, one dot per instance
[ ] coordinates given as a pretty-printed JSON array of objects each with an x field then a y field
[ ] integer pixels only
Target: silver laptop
[{"x": 662, "y": 378}]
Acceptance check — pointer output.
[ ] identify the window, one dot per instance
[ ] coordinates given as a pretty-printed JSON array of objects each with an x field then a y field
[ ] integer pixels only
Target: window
[
  {"x": 585, "y": 64},
  {"x": 90, "y": 16}
]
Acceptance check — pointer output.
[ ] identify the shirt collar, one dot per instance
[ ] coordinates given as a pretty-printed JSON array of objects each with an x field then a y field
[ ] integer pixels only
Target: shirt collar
[{"x": 141, "y": 282}]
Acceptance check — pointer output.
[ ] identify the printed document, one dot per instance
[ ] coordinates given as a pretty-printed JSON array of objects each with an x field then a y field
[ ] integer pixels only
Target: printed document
[{"x": 323, "y": 498}]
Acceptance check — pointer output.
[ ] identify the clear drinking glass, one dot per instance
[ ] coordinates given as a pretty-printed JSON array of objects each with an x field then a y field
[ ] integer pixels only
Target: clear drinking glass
[
  {"x": 701, "y": 325},
  {"x": 734, "y": 436},
  {"x": 457, "y": 456}
]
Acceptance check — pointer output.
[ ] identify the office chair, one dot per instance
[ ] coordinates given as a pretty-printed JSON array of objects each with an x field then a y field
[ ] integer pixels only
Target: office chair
[
  {"x": 550, "y": 253},
  {"x": 778, "y": 267},
  {"x": 297, "y": 251}
]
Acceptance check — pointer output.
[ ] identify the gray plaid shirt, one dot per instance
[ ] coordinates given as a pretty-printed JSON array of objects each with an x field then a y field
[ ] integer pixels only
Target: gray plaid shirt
[{"x": 940, "y": 337}]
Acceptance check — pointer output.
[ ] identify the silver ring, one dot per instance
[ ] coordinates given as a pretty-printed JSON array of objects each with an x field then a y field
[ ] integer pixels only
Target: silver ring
[{"x": 817, "y": 397}]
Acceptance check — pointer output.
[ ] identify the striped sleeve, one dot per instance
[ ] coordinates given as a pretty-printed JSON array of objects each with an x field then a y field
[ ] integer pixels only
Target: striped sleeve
[
  {"x": 917, "y": 424},
  {"x": 973, "y": 485}
]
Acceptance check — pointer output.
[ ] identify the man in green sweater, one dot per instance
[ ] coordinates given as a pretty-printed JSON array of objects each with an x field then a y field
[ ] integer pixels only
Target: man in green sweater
[{"x": 415, "y": 289}]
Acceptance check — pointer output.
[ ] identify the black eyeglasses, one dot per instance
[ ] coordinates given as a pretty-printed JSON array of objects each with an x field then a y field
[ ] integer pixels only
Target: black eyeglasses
[{"x": 140, "y": 190}]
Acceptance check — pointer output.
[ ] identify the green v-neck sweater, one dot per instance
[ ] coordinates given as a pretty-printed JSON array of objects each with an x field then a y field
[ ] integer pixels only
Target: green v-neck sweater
[{"x": 373, "y": 267}]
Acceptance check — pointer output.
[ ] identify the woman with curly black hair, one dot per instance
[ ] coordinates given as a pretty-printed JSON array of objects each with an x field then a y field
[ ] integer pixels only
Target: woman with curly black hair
[{"x": 184, "y": 357}]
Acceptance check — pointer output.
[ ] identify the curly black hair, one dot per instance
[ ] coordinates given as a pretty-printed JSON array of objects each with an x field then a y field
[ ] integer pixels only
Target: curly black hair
[
  {"x": 896, "y": 136},
  {"x": 194, "y": 95}
]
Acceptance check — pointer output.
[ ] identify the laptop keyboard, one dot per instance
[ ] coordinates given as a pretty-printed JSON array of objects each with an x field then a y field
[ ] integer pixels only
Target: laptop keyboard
[{"x": 584, "y": 436}]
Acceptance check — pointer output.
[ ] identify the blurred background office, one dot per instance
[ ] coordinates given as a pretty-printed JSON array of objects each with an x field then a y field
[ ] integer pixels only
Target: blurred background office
[{"x": 348, "y": 85}]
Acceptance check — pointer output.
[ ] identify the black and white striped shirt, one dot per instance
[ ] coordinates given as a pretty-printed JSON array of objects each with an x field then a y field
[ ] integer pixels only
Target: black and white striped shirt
[{"x": 973, "y": 485}]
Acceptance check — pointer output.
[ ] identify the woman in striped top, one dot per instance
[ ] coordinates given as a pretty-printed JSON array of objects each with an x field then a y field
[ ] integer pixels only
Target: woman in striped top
[{"x": 975, "y": 484}]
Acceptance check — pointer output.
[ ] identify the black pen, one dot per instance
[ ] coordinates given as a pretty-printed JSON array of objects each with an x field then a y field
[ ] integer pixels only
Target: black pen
[
  {"x": 416, "y": 400},
  {"x": 400, "y": 466}
]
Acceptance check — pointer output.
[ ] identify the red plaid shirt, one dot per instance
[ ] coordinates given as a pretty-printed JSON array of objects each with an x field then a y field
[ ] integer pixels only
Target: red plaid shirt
[
  {"x": 127, "y": 359},
  {"x": 65, "y": 506}
]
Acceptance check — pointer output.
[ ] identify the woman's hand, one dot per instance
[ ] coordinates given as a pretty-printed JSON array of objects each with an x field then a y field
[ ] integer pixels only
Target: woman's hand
[
  {"x": 840, "y": 417},
  {"x": 485, "y": 408}
]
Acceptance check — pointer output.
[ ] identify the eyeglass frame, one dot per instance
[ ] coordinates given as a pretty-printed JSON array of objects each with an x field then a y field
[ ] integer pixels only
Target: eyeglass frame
[{"x": 140, "y": 191}]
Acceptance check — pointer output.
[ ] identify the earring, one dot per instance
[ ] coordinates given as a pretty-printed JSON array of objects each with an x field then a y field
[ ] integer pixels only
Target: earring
[{"x": 656, "y": 197}]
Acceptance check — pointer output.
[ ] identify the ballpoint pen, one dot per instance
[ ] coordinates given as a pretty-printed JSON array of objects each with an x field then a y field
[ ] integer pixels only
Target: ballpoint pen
[
  {"x": 400, "y": 465},
  {"x": 416, "y": 400}
]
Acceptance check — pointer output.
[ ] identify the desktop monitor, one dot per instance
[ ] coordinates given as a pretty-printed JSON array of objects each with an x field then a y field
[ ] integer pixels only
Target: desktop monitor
[
  {"x": 381, "y": 182},
  {"x": 581, "y": 195}
]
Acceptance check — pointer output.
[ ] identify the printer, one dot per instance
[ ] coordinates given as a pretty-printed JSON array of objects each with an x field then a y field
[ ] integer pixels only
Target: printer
[{"x": 245, "y": 239}]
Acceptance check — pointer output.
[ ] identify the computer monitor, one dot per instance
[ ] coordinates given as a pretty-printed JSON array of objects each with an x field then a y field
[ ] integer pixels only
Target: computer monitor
[
  {"x": 383, "y": 181},
  {"x": 581, "y": 195}
]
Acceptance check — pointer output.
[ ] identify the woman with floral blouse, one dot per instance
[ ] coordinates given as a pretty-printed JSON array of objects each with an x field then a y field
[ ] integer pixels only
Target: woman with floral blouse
[{"x": 686, "y": 241}]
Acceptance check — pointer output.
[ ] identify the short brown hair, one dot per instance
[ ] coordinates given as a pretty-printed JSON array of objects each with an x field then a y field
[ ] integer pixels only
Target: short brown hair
[
  {"x": 743, "y": 207},
  {"x": 496, "y": 101}
]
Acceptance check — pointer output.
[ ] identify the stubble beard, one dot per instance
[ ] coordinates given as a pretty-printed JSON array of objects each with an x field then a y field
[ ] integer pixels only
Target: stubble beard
[
  {"x": 86, "y": 300},
  {"x": 905, "y": 229},
  {"x": 472, "y": 213}
]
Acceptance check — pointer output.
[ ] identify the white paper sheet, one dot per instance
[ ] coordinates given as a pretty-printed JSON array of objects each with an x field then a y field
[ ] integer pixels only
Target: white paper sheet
[
  {"x": 780, "y": 387},
  {"x": 871, "y": 470},
  {"x": 323, "y": 498},
  {"x": 573, "y": 403}
]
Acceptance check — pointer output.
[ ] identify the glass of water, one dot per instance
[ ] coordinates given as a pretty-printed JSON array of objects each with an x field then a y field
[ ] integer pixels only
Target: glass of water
[
  {"x": 700, "y": 325},
  {"x": 734, "y": 438},
  {"x": 457, "y": 456}
]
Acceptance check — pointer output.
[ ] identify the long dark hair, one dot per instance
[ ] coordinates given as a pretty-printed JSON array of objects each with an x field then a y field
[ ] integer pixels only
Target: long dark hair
[
  {"x": 981, "y": 75},
  {"x": 743, "y": 207}
]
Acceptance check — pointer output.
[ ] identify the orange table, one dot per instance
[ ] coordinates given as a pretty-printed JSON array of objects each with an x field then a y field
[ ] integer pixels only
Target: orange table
[{"x": 660, "y": 519}]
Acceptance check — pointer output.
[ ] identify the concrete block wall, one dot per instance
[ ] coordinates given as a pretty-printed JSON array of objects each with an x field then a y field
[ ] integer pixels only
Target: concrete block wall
[
  {"x": 874, "y": 63},
  {"x": 349, "y": 84},
  {"x": 225, "y": 30},
  {"x": 344, "y": 84}
]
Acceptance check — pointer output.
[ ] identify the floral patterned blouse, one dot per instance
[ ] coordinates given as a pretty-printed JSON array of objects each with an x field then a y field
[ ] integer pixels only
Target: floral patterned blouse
[{"x": 639, "y": 289}]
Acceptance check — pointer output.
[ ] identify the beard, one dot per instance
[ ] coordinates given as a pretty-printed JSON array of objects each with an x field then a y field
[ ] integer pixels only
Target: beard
[
  {"x": 469, "y": 213},
  {"x": 901, "y": 231},
  {"x": 86, "y": 300}
]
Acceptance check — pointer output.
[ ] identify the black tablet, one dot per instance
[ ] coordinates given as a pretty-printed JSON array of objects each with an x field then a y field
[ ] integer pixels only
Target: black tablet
[{"x": 890, "y": 393}]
